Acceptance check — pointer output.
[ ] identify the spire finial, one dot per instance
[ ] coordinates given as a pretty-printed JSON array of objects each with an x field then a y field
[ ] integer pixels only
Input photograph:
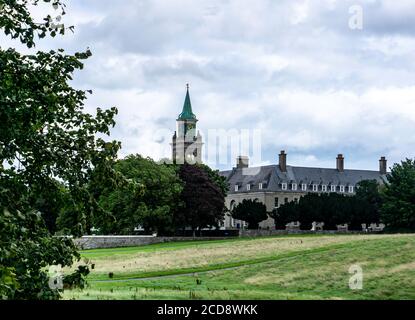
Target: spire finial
[{"x": 187, "y": 113}]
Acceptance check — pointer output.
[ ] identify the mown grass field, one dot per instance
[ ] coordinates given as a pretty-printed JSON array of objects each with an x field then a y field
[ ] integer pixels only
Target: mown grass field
[{"x": 290, "y": 267}]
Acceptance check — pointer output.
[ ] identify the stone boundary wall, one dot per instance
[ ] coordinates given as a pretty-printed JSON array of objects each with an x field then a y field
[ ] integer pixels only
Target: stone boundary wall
[
  {"x": 100, "y": 242},
  {"x": 267, "y": 233}
]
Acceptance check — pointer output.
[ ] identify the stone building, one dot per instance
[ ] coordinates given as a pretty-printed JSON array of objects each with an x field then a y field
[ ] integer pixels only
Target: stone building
[
  {"x": 187, "y": 142},
  {"x": 272, "y": 185},
  {"x": 278, "y": 184}
]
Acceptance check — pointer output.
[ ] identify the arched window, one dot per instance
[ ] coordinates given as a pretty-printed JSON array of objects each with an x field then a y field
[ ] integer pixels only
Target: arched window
[{"x": 232, "y": 205}]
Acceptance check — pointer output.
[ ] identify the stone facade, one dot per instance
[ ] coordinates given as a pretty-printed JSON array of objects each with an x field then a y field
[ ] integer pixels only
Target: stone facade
[
  {"x": 267, "y": 198},
  {"x": 276, "y": 185},
  {"x": 187, "y": 142}
]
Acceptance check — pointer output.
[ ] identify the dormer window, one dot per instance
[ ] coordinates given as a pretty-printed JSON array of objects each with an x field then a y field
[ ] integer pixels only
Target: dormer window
[
  {"x": 236, "y": 188},
  {"x": 315, "y": 188},
  {"x": 284, "y": 186},
  {"x": 342, "y": 188},
  {"x": 333, "y": 188},
  {"x": 351, "y": 189},
  {"x": 248, "y": 187},
  {"x": 324, "y": 188},
  {"x": 260, "y": 186},
  {"x": 294, "y": 187},
  {"x": 304, "y": 187}
]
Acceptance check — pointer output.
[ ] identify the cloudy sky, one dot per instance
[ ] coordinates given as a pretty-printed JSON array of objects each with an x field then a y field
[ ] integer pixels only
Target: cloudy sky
[{"x": 294, "y": 70}]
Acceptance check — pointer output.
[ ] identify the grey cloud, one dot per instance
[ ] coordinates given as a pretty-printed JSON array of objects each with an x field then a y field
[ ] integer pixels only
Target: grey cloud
[{"x": 258, "y": 63}]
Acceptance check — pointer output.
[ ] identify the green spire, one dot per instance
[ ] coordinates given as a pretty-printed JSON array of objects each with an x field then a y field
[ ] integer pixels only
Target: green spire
[{"x": 187, "y": 113}]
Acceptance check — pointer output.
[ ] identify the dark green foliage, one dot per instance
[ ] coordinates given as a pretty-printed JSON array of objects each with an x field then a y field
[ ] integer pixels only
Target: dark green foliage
[
  {"x": 398, "y": 208},
  {"x": 49, "y": 199},
  {"x": 203, "y": 200},
  {"x": 76, "y": 279},
  {"x": 150, "y": 199},
  {"x": 369, "y": 200},
  {"x": 17, "y": 22},
  {"x": 45, "y": 137},
  {"x": 26, "y": 250},
  {"x": 250, "y": 211},
  {"x": 219, "y": 180},
  {"x": 333, "y": 209}
]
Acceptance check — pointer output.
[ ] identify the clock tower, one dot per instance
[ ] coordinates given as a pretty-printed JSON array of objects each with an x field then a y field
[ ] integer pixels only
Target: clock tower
[{"x": 187, "y": 141}]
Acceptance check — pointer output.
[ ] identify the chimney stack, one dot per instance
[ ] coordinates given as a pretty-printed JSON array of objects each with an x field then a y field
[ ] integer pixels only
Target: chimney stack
[
  {"x": 283, "y": 161},
  {"x": 242, "y": 162},
  {"x": 340, "y": 163},
  {"x": 383, "y": 165}
]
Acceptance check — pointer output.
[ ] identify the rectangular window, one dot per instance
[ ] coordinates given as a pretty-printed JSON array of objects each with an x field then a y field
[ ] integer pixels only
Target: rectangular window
[
  {"x": 236, "y": 188},
  {"x": 324, "y": 188},
  {"x": 248, "y": 187},
  {"x": 276, "y": 203},
  {"x": 333, "y": 188},
  {"x": 342, "y": 189},
  {"x": 284, "y": 186},
  {"x": 351, "y": 189},
  {"x": 304, "y": 187},
  {"x": 315, "y": 187},
  {"x": 294, "y": 187},
  {"x": 260, "y": 186}
]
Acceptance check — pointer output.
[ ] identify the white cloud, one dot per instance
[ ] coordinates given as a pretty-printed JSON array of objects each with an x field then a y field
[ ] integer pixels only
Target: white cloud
[{"x": 290, "y": 68}]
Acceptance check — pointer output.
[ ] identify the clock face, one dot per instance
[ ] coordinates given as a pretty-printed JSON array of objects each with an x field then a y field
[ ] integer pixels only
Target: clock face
[
  {"x": 186, "y": 128},
  {"x": 191, "y": 126}
]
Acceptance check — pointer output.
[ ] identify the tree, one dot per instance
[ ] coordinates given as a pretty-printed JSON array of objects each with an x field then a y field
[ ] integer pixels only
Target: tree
[
  {"x": 46, "y": 137},
  {"x": 398, "y": 208},
  {"x": 26, "y": 250},
  {"x": 219, "y": 180},
  {"x": 149, "y": 200},
  {"x": 286, "y": 213},
  {"x": 49, "y": 202},
  {"x": 250, "y": 211},
  {"x": 204, "y": 202},
  {"x": 332, "y": 209},
  {"x": 369, "y": 202}
]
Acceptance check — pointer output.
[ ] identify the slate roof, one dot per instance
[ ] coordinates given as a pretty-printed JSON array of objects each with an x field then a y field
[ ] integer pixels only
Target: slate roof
[{"x": 272, "y": 178}]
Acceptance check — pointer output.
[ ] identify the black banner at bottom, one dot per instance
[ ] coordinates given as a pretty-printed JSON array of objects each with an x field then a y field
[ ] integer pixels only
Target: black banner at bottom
[{"x": 218, "y": 310}]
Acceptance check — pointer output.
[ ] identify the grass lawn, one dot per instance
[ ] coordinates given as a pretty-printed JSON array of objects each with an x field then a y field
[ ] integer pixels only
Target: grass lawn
[{"x": 289, "y": 267}]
